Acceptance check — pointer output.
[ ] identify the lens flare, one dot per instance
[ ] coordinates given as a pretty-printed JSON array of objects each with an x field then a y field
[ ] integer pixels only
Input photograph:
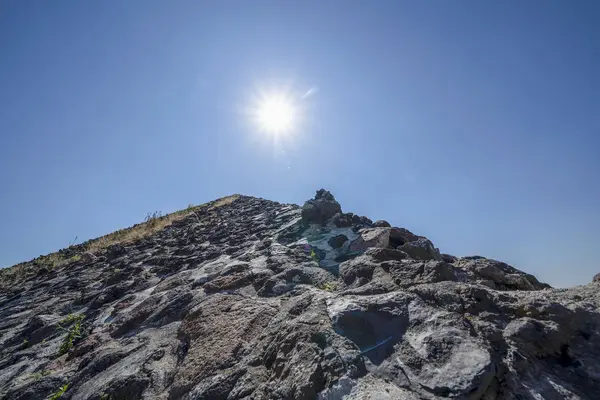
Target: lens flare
[{"x": 276, "y": 114}]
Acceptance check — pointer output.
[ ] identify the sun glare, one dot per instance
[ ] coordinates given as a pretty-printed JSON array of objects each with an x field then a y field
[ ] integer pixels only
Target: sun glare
[{"x": 276, "y": 114}]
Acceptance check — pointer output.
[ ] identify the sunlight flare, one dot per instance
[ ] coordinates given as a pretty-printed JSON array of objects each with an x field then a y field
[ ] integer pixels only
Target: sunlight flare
[{"x": 276, "y": 113}]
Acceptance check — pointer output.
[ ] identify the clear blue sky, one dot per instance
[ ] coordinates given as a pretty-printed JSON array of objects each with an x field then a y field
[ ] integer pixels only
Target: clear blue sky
[{"x": 474, "y": 123}]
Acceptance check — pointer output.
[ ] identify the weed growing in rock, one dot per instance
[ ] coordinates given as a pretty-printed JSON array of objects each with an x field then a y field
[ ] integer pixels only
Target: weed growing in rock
[
  {"x": 152, "y": 218},
  {"x": 73, "y": 333},
  {"x": 25, "y": 343},
  {"x": 71, "y": 318},
  {"x": 313, "y": 255},
  {"x": 39, "y": 375},
  {"x": 328, "y": 286},
  {"x": 58, "y": 394}
]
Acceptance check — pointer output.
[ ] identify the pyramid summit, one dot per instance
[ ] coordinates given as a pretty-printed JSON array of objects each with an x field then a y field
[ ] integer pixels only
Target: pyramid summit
[{"x": 246, "y": 298}]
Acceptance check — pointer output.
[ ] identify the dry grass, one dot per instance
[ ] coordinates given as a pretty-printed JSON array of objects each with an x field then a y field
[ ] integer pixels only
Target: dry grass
[
  {"x": 223, "y": 201},
  {"x": 153, "y": 224}
]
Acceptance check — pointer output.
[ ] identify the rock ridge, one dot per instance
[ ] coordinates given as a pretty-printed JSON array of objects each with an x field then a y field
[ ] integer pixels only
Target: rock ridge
[{"x": 246, "y": 298}]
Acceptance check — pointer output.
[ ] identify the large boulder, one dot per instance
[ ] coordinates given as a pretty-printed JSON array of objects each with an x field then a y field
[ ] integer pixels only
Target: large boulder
[
  {"x": 496, "y": 274},
  {"x": 371, "y": 237},
  {"x": 399, "y": 236},
  {"x": 382, "y": 224},
  {"x": 421, "y": 249},
  {"x": 320, "y": 209}
]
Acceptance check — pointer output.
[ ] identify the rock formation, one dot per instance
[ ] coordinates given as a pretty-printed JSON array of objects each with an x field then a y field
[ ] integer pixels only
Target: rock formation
[{"x": 245, "y": 298}]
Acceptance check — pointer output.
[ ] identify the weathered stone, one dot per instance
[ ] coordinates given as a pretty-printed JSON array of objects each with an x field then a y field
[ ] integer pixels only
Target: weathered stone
[
  {"x": 248, "y": 300},
  {"x": 385, "y": 254},
  {"x": 448, "y": 258},
  {"x": 337, "y": 241},
  {"x": 382, "y": 224},
  {"x": 408, "y": 273},
  {"x": 399, "y": 236},
  {"x": 342, "y": 220},
  {"x": 421, "y": 249},
  {"x": 371, "y": 237},
  {"x": 320, "y": 209},
  {"x": 503, "y": 276}
]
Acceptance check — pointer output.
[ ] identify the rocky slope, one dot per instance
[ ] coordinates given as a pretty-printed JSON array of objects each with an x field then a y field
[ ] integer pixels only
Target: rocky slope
[{"x": 252, "y": 299}]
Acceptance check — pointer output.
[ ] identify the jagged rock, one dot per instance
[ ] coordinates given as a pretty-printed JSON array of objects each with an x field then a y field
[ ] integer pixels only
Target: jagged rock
[
  {"x": 399, "y": 236},
  {"x": 409, "y": 273},
  {"x": 338, "y": 241},
  {"x": 358, "y": 268},
  {"x": 251, "y": 299},
  {"x": 382, "y": 224},
  {"x": 320, "y": 209},
  {"x": 341, "y": 220},
  {"x": 596, "y": 278},
  {"x": 421, "y": 249},
  {"x": 386, "y": 254},
  {"x": 497, "y": 275},
  {"x": 448, "y": 258},
  {"x": 371, "y": 237}
]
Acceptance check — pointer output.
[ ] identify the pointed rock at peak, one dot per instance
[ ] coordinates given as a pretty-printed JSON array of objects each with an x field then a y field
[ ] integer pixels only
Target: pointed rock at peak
[{"x": 320, "y": 209}]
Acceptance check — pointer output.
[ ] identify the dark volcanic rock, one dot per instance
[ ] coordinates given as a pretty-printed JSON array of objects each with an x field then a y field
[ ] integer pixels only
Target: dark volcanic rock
[
  {"x": 382, "y": 224},
  {"x": 320, "y": 209},
  {"x": 338, "y": 241},
  {"x": 421, "y": 249},
  {"x": 244, "y": 298}
]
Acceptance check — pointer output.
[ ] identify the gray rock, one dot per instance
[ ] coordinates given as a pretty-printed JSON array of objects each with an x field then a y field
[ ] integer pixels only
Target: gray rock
[
  {"x": 251, "y": 299},
  {"x": 421, "y": 249},
  {"x": 343, "y": 220},
  {"x": 386, "y": 254},
  {"x": 371, "y": 237},
  {"x": 448, "y": 258},
  {"x": 337, "y": 241},
  {"x": 382, "y": 224},
  {"x": 320, "y": 209},
  {"x": 399, "y": 236},
  {"x": 498, "y": 274}
]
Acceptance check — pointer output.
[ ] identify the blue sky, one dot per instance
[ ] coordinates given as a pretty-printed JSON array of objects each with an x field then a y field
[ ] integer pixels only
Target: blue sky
[{"x": 473, "y": 123}]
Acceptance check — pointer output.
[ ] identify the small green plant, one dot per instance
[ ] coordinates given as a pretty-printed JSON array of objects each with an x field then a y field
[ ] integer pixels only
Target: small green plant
[
  {"x": 328, "y": 286},
  {"x": 58, "y": 394},
  {"x": 152, "y": 218},
  {"x": 314, "y": 255},
  {"x": 70, "y": 319},
  {"x": 25, "y": 343},
  {"x": 104, "y": 396},
  {"x": 73, "y": 333},
  {"x": 39, "y": 375}
]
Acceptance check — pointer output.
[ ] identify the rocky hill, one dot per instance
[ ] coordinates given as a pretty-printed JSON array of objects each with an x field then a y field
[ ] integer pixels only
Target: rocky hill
[{"x": 245, "y": 298}]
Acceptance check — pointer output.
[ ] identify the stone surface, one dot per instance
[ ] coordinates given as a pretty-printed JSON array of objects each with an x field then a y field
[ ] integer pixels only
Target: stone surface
[
  {"x": 259, "y": 300},
  {"x": 320, "y": 209},
  {"x": 382, "y": 224},
  {"x": 421, "y": 249},
  {"x": 371, "y": 237}
]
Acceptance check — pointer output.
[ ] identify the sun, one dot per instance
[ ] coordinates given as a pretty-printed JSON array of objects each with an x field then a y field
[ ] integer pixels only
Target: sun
[{"x": 276, "y": 114}]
